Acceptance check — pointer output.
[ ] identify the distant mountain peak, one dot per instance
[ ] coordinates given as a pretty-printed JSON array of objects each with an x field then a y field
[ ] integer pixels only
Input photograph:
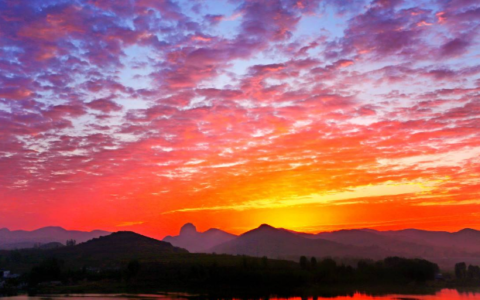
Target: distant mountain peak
[
  {"x": 368, "y": 230},
  {"x": 122, "y": 245},
  {"x": 188, "y": 228},
  {"x": 266, "y": 229},
  {"x": 19, "y": 239},
  {"x": 266, "y": 226},
  {"x": 468, "y": 230},
  {"x": 195, "y": 241},
  {"x": 55, "y": 228},
  {"x": 125, "y": 239},
  {"x": 126, "y": 233}
]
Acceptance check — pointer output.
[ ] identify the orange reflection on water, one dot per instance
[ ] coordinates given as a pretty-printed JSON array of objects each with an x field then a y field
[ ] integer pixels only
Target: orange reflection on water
[{"x": 445, "y": 294}]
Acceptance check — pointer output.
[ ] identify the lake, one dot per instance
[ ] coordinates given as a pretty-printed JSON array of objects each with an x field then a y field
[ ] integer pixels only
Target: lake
[{"x": 445, "y": 294}]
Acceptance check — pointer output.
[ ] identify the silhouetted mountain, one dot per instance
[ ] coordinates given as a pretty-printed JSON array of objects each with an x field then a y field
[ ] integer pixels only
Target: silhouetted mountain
[
  {"x": 365, "y": 238},
  {"x": 411, "y": 241},
  {"x": 280, "y": 243},
  {"x": 106, "y": 252},
  {"x": 114, "y": 248},
  {"x": 406, "y": 247},
  {"x": 443, "y": 248},
  {"x": 467, "y": 240},
  {"x": 20, "y": 245},
  {"x": 122, "y": 244},
  {"x": 194, "y": 241},
  {"x": 19, "y": 239}
]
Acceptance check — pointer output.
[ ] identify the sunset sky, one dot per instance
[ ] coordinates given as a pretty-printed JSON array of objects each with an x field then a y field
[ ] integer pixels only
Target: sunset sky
[{"x": 310, "y": 115}]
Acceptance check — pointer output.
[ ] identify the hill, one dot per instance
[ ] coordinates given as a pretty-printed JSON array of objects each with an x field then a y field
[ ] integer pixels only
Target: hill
[
  {"x": 118, "y": 246},
  {"x": 366, "y": 238},
  {"x": 280, "y": 243},
  {"x": 194, "y": 241},
  {"x": 109, "y": 251},
  {"x": 467, "y": 240},
  {"x": 443, "y": 248},
  {"x": 21, "y": 239}
]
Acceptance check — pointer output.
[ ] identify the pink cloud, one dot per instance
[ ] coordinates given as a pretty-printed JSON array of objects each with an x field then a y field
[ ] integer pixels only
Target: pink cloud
[{"x": 207, "y": 108}]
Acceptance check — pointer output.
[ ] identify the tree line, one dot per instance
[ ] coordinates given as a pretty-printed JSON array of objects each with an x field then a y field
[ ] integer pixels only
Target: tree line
[
  {"x": 464, "y": 273},
  {"x": 248, "y": 272}
]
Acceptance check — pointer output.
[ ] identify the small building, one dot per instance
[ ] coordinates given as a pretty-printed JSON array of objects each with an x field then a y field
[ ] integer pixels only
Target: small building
[
  {"x": 4, "y": 273},
  {"x": 439, "y": 277}
]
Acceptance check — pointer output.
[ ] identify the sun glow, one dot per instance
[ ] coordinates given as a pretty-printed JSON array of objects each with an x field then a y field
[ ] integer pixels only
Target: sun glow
[{"x": 145, "y": 115}]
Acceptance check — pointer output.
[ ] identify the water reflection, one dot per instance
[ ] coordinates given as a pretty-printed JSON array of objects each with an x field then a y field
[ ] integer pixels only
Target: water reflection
[{"x": 445, "y": 294}]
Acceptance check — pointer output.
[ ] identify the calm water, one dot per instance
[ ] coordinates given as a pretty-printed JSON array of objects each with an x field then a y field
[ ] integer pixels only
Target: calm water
[{"x": 442, "y": 295}]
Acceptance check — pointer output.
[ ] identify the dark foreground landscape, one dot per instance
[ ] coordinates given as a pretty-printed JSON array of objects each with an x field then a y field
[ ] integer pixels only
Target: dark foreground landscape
[
  {"x": 126, "y": 262},
  {"x": 444, "y": 294}
]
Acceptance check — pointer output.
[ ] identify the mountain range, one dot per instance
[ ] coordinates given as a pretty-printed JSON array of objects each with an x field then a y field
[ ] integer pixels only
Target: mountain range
[
  {"x": 128, "y": 261},
  {"x": 20, "y": 239},
  {"x": 194, "y": 241},
  {"x": 284, "y": 244},
  {"x": 118, "y": 246},
  {"x": 105, "y": 252},
  {"x": 444, "y": 248}
]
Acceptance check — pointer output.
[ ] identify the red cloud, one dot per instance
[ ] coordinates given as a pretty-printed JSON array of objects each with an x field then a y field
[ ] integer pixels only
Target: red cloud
[
  {"x": 264, "y": 108},
  {"x": 104, "y": 105}
]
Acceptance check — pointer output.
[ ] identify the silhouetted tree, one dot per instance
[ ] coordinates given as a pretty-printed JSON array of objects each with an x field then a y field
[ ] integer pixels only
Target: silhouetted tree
[
  {"x": 313, "y": 262},
  {"x": 327, "y": 268},
  {"x": 473, "y": 272},
  {"x": 460, "y": 270},
  {"x": 71, "y": 243},
  {"x": 303, "y": 262}
]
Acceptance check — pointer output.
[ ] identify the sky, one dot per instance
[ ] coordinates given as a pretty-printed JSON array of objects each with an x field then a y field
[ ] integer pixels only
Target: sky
[{"x": 312, "y": 115}]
